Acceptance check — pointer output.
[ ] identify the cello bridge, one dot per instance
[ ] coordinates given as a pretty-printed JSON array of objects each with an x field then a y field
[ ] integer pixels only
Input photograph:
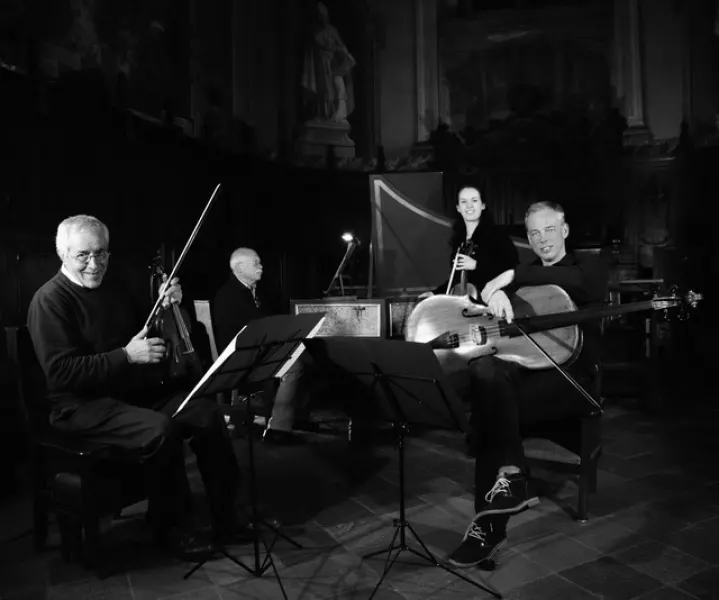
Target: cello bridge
[{"x": 479, "y": 335}]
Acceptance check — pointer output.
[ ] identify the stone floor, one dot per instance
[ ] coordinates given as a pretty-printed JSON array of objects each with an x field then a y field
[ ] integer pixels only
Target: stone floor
[{"x": 653, "y": 533}]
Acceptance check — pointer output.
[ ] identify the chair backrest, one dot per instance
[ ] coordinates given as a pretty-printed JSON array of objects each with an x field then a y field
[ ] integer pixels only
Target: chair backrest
[
  {"x": 202, "y": 313},
  {"x": 31, "y": 396}
]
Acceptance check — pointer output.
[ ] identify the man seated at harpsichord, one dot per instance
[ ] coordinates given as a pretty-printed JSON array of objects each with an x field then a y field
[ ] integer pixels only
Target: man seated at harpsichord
[
  {"x": 239, "y": 301},
  {"x": 507, "y": 398}
]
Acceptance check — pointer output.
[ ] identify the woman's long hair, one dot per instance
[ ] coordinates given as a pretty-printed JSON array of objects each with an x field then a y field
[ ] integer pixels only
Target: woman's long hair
[{"x": 459, "y": 229}]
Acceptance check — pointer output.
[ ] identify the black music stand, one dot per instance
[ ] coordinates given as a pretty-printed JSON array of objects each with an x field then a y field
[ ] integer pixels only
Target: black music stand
[
  {"x": 411, "y": 389},
  {"x": 261, "y": 350}
]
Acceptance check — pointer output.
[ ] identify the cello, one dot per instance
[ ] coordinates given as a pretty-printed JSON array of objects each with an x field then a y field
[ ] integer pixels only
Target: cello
[{"x": 456, "y": 326}]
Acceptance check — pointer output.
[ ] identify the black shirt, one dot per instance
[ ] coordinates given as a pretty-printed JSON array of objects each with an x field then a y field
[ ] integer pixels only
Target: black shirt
[
  {"x": 585, "y": 279},
  {"x": 232, "y": 308}
]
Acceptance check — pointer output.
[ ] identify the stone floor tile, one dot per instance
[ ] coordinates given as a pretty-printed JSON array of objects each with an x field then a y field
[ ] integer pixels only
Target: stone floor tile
[
  {"x": 700, "y": 540},
  {"x": 111, "y": 588},
  {"x": 551, "y": 587},
  {"x": 610, "y": 579},
  {"x": 666, "y": 593},
  {"x": 662, "y": 562},
  {"x": 556, "y": 551},
  {"x": 606, "y": 537},
  {"x": 641, "y": 519},
  {"x": 685, "y": 509},
  {"x": 156, "y": 583},
  {"x": 634, "y": 467},
  {"x": 704, "y": 586},
  {"x": 512, "y": 572},
  {"x": 348, "y": 510},
  {"x": 204, "y": 594}
]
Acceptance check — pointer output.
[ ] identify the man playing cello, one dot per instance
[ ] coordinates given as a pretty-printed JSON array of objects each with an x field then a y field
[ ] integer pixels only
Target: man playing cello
[{"x": 507, "y": 397}]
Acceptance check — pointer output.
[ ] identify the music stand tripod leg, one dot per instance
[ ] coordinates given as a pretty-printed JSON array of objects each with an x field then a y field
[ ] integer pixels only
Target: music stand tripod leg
[
  {"x": 401, "y": 524},
  {"x": 260, "y": 566}
]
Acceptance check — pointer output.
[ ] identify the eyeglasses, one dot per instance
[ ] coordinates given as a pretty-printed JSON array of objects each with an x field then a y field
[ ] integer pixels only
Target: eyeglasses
[{"x": 82, "y": 258}]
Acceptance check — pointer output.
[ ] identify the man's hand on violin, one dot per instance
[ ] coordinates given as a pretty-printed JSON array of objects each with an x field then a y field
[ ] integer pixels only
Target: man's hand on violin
[
  {"x": 500, "y": 306},
  {"x": 172, "y": 294},
  {"x": 143, "y": 350},
  {"x": 466, "y": 263},
  {"x": 500, "y": 281}
]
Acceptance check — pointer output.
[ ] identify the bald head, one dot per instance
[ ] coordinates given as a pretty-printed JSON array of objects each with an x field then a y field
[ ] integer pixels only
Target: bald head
[{"x": 246, "y": 265}]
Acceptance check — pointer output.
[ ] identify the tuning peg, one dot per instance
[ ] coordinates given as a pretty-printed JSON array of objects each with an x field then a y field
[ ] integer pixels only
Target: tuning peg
[{"x": 693, "y": 299}]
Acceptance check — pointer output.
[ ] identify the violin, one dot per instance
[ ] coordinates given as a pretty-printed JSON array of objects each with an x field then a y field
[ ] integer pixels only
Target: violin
[
  {"x": 171, "y": 324},
  {"x": 463, "y": 288}
]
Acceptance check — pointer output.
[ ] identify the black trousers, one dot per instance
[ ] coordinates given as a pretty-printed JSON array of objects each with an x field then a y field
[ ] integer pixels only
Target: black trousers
[
  {"x": 146, "y": 431},
  {"x": 506, "y": 401}
]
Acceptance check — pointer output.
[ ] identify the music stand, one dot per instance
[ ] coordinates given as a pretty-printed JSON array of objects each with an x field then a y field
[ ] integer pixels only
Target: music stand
[
  {"x": 411, "y": 389},
  {"x": 263, "y": 349}
]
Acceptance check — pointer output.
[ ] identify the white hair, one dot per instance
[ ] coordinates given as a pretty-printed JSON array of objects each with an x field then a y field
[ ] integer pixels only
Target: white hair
[
  {"x": 72, "y": 225},
  {"x": 538, "y": 206},
  {"x": 238, "y": 255}
]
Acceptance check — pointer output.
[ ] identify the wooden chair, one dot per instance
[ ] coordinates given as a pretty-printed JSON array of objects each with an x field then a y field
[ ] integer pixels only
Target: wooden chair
[
  {"x": 203, "y": 315},
  {"x": 78, "y": 481},
  {"x": 572, "y": 445}
]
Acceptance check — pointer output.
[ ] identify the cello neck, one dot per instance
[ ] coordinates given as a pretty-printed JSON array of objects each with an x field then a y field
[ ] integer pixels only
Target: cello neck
[{"x": 575, "y": 317}]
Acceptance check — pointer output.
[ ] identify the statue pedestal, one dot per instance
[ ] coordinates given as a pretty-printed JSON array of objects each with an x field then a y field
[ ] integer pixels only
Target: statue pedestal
[{"x": 316, "y": 137}]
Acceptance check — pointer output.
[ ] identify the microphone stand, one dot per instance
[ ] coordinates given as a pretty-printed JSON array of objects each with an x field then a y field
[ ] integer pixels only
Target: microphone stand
[{"x": 340, "y": 269}]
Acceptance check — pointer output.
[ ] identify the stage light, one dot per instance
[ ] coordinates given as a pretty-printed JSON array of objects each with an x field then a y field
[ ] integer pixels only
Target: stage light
[{"x": 347, "y": 237}]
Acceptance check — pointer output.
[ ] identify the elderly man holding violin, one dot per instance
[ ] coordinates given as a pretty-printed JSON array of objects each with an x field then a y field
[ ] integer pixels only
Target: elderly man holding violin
[{"x": 106, "y": 382}]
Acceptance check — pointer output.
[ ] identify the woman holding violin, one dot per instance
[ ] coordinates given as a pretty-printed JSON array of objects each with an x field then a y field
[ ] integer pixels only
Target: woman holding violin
[{"x": 480, "y": 251}]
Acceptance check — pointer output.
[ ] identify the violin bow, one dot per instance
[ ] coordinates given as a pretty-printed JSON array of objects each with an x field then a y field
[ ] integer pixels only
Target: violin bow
[{"x": 183, "y": 254}]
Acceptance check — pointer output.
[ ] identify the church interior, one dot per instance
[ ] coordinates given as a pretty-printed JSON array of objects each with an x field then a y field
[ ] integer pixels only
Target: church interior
[{"x": 340, "y": 133}]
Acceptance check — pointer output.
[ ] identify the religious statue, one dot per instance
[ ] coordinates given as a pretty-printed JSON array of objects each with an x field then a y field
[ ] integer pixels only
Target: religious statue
[{"x": 327, "y": 72}]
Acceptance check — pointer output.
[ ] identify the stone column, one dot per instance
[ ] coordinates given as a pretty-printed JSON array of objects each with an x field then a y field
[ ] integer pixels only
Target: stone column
[
  {"x": 427, "y": 67},
  {"x": 628, "y": 70}
]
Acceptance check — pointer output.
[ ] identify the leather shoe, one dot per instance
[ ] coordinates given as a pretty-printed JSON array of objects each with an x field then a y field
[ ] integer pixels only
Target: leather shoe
[
  {"x": 188, "y": 546},
  {"x": 282, "y": 438}
]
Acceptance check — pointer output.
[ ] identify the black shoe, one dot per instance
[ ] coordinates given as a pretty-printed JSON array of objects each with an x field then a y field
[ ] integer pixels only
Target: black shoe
[
  {"x": 188, "y": 546},
  {"x": 484, "y": 536},
  {"x": 282, "y": 438},
  {"x": 509, "y": 495}
]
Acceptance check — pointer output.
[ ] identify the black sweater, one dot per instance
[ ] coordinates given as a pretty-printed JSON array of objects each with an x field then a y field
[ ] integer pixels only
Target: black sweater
[
  {"x": 79, "y": 334},
  {"x": 495, "y": 254}
]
